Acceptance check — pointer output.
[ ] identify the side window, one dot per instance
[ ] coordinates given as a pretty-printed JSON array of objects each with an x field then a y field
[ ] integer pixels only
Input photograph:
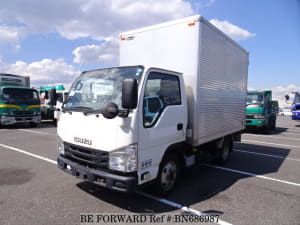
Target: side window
[{"x": 161, "y": 90}]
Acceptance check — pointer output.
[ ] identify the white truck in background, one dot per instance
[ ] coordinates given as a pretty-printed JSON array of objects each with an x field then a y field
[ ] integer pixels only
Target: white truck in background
[
  {"x": 61, "y": 97},
  {"x": 179, "y": 92}
]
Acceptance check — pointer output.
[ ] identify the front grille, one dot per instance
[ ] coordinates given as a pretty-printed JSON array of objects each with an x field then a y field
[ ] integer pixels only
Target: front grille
[
  {"x": 249, "y": 116},
  {"x": 23, "y": 119},
  {"x": 86, "y": 156},
  {"x": 22, "y": 113}
]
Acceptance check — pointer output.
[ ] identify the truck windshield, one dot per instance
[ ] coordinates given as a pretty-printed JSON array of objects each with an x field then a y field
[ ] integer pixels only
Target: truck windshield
[
  {"x": 20, "y": 96},
  {"x": 296, "y": 99},
  {"x": 255, "y": 98},
  {"x": 95, "y": 88}
]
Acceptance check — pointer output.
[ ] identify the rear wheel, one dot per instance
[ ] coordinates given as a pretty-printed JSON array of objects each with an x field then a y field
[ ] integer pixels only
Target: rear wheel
[
  {"x": 223, "y": 153},
  {"x": 168, "y": 175}
]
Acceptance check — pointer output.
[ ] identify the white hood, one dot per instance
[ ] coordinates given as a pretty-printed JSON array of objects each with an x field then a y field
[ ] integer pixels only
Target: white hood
[{"x": 96, "y": 132}]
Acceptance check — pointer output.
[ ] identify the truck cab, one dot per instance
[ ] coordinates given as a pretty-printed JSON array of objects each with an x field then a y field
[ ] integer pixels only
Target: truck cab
[
  {"x": 260, "y": 110},
  {"x": 18, "y": 102},
  {"x": 49, "y": 96},
  {"x": 121, "y": 127},
  {"x": 296, "y": 107},
  {"x": 61, "y": 97}
]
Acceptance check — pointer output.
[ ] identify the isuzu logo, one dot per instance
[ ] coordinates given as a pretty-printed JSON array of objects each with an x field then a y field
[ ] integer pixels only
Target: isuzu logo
[{"x": 83, "y": 141}]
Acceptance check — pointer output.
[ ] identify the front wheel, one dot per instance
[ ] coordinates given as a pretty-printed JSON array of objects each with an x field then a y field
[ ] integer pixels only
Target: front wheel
[
  {"x": 55, "y": 122},
  {"x": 32, "y": 124},
  {"x": 168, "y": 175},
  {"x": 273, "y": 124}
]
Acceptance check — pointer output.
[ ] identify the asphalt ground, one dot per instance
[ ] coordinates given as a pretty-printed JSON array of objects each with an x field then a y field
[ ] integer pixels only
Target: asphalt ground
[{"x": 260, "y": 184}]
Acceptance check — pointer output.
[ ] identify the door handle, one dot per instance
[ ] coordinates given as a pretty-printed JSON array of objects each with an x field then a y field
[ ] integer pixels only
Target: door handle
[{"x": 179, "y": 126}]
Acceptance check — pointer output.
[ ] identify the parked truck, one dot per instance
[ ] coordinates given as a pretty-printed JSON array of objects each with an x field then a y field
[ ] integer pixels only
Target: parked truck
[
  {"x": 61, "y": 97},
  {"x": 178, "y": 95},
  {"x": 260, "y": 110},
  {"x": 275, "y": 106},
  {"x": 296, "y": 107},
  {"x": 49, "y": 96},
  {"x": 18, "y": 102}
]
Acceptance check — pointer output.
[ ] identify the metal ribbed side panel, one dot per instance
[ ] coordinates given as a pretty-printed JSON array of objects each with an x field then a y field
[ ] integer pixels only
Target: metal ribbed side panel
[{"x": 222, "y": 86}]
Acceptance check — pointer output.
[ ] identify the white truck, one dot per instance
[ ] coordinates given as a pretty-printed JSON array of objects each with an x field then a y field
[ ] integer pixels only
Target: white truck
[
  {"x": 180, "y": 92},
  {"x": 61, "y": 97}
]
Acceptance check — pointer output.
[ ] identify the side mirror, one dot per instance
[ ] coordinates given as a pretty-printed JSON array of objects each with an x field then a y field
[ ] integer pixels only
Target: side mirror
[
  {"x": 129, "y": 93},
  {"x": 53, "y": 97}
]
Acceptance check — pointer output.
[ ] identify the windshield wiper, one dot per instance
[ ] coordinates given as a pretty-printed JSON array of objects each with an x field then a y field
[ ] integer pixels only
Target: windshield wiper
[
  {"x": 94, "y": 111},
  {"x": 77, "y": 108}
]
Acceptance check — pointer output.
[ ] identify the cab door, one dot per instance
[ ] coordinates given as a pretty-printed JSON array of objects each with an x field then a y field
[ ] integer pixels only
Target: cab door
[{"x": 162, "y": 119}]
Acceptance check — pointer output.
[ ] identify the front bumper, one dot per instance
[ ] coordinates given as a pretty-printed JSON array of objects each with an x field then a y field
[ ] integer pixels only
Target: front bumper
[
  {"x": 102, "y": 178},
  {"x": 296, "y": 116},
  {"x": 256, "y": 123},
  {"x": 10, "y": 120}
]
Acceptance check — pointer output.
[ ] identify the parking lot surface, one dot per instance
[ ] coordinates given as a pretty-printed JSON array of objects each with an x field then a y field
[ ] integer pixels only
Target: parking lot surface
[{"x": 260, "y": 184}]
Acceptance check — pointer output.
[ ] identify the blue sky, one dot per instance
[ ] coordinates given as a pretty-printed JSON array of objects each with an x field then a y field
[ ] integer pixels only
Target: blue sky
[
  {"x": 275, "y": 50},
  {"x": 53, "y": 41}
]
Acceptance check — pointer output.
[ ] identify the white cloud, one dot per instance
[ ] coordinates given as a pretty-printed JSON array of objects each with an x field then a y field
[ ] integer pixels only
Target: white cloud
[
  {"x": 105, "y": 53},
  {"x": 42, "y": 72},
  {"x": 8, "y": 34},
  {"x": 74, "y": 19},
  {"x": 233, "y": 31},
  {"x": 11, "y": 35},
  {"x": 279, "y": 92}
]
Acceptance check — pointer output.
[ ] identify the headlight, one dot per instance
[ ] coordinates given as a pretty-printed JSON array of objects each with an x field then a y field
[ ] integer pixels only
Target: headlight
[
  {"x": 60, "y": 146},
  {"x": 259, "y": 117},
  {"x": 124, "y": 160},
  {"x": 36, "y": 113}
]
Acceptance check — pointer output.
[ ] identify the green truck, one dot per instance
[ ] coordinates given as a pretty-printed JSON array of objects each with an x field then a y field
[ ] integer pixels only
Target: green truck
[
  {"x": 18, "y": 102},
  {"x": 261, "y": 110}
]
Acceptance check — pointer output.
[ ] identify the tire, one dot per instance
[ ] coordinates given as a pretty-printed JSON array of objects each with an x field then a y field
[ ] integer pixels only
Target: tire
[
  {"x": 274, "y": 124},
  {"x": 55, "y": 122},
  {"x": 32, "y": 124},
  {"x": 265, "y": 130},
  {"x": 168, "y": 175},
  {"x": 223, "y": 153}
]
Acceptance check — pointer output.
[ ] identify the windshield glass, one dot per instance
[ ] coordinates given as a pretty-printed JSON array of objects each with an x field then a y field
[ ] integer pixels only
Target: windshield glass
[
  {"x": 297, "y": 99},
  {"x": 95, "y": 88},
  {"x": 255, "y": 98},
  {"x": 20, "y": 96}
]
